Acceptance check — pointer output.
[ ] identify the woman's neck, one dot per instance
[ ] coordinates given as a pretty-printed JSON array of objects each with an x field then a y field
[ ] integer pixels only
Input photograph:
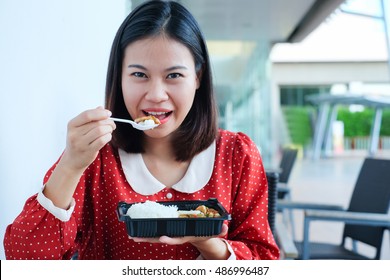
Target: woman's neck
[
  {"x": 159, "y": 148},
  {"x": 160, "y": 159}
]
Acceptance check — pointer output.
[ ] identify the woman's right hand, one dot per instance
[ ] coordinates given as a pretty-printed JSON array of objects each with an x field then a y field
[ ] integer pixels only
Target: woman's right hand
[{"x": 87, "y": 134}]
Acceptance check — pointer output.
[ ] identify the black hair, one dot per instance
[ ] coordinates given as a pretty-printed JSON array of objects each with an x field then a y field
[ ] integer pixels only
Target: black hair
[{"x": 155, "y": 18}]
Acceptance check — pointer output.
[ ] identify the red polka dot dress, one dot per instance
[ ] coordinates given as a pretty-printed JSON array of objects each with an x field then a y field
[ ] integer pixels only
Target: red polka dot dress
[{"x": 230, "y": 170}]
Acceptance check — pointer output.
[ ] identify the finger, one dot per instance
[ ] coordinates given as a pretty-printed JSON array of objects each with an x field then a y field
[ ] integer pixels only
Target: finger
[
  {"x": 98, "y": 135},
  {"x": 100, "y": 142},
  {"x": 150, "y": 240},
  {"x": 88, "y": 127},
  {"x": 180, "y": 240},
  {"x": 80, "y": 137},
  {"x": 224, "y": 230},
  {"x": 168, "y": 240},
  {"x": 90, "y": 116}
]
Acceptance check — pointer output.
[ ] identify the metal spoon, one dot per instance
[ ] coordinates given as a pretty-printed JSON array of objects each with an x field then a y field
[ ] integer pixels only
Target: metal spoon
[{"x": 136, "y": 125}]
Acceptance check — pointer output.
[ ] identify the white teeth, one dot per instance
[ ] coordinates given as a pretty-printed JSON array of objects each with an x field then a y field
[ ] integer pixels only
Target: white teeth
[{"x": 156, "y": 113}]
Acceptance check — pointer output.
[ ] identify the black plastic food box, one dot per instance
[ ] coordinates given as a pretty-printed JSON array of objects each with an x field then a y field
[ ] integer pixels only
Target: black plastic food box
[{"x": 175, "y": 227}]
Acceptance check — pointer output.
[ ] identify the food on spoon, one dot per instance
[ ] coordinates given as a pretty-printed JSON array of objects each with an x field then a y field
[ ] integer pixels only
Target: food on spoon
[{"x": 148, "y": 120}]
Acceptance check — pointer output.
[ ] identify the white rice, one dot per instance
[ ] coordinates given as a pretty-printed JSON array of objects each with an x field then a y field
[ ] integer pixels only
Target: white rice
[
  {"x": 151, "y": 209},
  {"x": 147, "y": 122}
]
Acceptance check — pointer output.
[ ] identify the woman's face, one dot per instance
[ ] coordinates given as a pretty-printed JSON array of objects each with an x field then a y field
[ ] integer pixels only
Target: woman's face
[{"x": 159, "y": 78}]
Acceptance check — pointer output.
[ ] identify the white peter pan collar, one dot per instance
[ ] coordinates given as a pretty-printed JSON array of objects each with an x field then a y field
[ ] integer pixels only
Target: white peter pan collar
[{"x": 143, "y": 182}]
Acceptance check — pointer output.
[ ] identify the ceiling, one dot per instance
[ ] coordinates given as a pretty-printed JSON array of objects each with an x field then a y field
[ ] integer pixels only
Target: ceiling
[{"x": 233, "y": 28}]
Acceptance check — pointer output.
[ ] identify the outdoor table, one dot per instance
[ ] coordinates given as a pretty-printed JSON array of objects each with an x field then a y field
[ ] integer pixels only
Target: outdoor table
[{"x": 329, "y": 102}]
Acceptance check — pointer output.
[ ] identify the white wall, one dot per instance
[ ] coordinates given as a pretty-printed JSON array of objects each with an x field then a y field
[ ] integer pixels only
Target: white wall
[{"x": 53, "y": 61}]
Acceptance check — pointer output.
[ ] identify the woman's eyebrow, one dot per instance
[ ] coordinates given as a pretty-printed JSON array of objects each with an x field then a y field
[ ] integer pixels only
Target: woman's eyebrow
[
  {"x": 137, "y": 66},
  {"x": 176, "y": 67}
]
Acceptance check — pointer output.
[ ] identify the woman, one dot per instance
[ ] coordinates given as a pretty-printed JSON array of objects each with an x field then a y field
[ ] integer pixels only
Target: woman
[{"x": 158, "y": 66}]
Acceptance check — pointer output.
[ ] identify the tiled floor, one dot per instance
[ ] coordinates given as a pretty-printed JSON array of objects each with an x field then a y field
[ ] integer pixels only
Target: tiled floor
[{"x": 328, "y": 180}]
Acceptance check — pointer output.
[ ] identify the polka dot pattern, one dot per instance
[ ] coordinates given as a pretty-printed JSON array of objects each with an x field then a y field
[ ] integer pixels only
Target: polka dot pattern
[{"x": 238, "y": 182}]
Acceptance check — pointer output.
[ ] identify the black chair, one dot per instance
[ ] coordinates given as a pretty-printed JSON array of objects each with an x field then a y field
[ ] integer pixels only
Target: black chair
[
  {"x": 287, "y": 162},
  {"x": 280, "y": 232},
  {"x": 286, "y": 165},
  {"x": 366, "y": 218},
  {"x": 272, "y": 178}
]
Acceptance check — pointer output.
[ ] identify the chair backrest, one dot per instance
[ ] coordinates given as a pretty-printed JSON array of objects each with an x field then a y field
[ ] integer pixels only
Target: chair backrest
[
  {"x": 371, "y": 195},
  {"x": 273, "y": 179},
  {"x": 287, "y": 162}
]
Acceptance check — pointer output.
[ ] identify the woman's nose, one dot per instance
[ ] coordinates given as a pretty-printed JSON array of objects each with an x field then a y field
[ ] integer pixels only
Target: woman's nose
[{"x": 156, "y": 92}]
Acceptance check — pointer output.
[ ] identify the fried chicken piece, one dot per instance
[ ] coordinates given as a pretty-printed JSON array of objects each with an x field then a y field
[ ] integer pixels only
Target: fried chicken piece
[{"x": 150, "y": 117}]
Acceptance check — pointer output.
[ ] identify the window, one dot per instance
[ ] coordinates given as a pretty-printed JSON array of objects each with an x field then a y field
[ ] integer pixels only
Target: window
[{"x": 296, "y": 95}]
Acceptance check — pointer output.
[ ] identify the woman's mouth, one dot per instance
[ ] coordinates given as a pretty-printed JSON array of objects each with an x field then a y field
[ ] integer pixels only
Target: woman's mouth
[{"x": 161, "y": 115}]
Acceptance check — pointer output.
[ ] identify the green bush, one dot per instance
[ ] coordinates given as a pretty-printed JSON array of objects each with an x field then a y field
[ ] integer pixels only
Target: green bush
[
  {"x": 355, "y": 123},
  {"x": 385, "y": 127},
  {"x": 359, "y": 123},
  {"x": 298, "y": 123}
]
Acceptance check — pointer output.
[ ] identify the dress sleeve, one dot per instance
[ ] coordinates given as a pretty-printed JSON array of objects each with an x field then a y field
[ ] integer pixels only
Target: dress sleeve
[
  {"x": 38, "y": 233},
  {"x": 59, "y": 213},
  {"x": 250, "y": 235}
]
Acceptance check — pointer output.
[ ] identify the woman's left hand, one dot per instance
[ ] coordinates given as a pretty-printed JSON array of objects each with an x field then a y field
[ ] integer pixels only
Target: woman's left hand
[
  {"x": 210, "y": 247},
  {"x": 180, "y": 240}
]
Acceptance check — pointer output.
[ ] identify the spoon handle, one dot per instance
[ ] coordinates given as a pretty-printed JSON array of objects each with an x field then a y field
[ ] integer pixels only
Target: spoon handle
[
  {"x": 121, "y": 120},
  {"x": 135, "y": 125}
]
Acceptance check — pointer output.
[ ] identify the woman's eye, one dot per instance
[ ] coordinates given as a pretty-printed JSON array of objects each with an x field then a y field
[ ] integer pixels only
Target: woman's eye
[
  {"x": 139, "y": 75},
  {"x": 174, "y": 76}
]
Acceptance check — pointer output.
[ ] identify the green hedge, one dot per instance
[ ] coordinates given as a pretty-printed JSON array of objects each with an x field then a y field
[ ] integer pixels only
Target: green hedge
[
  {"x": 359, "y": 123},
  {"x": 298, "y": 123},
  {"x": 355, "y": 123}
]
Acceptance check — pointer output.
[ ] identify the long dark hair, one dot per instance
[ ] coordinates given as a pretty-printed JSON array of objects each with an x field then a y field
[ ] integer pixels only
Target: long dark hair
[{"x": 153, "y": 18}]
